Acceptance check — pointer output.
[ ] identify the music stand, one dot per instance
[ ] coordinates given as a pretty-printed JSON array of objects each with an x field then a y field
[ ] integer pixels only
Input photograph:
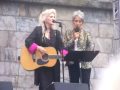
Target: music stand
[{"x": 86, "y": 56}]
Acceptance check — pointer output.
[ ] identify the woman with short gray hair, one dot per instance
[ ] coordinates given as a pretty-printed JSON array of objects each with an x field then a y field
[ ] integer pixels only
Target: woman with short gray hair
[{"x": 78, "y": 39}]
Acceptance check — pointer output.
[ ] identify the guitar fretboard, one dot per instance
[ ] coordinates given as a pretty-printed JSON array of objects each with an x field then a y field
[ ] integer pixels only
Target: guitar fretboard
[{"x": 54, "y": 56}]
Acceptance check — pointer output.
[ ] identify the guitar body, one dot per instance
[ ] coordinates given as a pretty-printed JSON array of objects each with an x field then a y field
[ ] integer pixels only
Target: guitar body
[{"x": 28, "y": 63}]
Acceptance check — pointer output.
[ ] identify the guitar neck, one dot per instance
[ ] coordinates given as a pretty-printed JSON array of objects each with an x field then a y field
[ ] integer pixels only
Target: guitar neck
[{"x": 54, "y": 56}]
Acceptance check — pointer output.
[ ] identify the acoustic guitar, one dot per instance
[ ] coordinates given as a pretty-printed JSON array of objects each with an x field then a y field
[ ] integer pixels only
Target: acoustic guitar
[{"x": 33, "y": 61}]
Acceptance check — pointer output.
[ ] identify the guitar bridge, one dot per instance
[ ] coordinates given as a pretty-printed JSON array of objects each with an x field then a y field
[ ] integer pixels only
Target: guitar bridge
[{"x": 41, "y": 62}]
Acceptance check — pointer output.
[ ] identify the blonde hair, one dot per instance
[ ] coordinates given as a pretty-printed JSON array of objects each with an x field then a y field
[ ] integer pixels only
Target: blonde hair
[
  {"x": 45, "y": 13},
  {"x": 78, "y": 13}
]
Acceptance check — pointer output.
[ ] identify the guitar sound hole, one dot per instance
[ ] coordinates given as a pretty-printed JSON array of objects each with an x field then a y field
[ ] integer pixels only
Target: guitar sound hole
[
  {"x": 41, "y": 62},
  {"x": 45, "y": 57}
]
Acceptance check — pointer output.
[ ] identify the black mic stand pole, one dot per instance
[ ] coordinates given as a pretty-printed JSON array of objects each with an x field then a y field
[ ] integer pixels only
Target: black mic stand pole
[{"x": 60, "y": 25}]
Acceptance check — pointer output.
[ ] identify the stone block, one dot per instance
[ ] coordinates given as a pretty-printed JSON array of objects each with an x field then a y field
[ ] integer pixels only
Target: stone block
[
  {"x": 26, "y": 24},
  {"x": 26, "y": 81},
  {"x": 92, "y": 28},
  {"x": 65, "y": 14},
  {"x": 100, "y": 61},
  {"x": 35, "y": 10},
  {"x": 3, "y": 38},
  {"x": 76, "y": 3},
  {"x": 2, "y": 54},
  {"x": 2, "y": 66},
  {"x": 7, "y": 23},
  {"x": 8, "y": 54},
  {"x": 22, "y": 10},
  {"x": 11, "y": 68},
  {"x": 96, "y": 43},
  {"x": 97, "y": 16},
  {"x": 12, "y": 40},
  {"x": 8, "y": 8},
  {"x": 104, "y": 45},
  {"x": 20, "y": 38},
  {"x": 106, "y": 30},
  {"x": 23, "y": 72},
  {"x": 67, "y": 25}
]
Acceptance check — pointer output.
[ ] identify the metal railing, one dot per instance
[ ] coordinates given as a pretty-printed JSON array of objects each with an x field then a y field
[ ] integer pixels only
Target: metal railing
[{"x": 116, "y": 22}]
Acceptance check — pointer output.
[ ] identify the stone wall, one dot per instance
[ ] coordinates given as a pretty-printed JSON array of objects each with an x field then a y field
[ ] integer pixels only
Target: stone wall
[
  {"x": 106, "y": 4},
  {"x": 18, "y": 19}
]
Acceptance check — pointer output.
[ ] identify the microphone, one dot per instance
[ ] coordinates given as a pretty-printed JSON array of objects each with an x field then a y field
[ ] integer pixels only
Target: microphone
[
  {"x": 54, "y": 21},
  {"x": 77, "y": 29}
]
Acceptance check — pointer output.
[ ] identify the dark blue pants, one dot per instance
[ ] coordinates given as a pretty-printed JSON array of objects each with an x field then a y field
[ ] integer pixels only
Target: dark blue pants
[{"x": 76, "y": 74}]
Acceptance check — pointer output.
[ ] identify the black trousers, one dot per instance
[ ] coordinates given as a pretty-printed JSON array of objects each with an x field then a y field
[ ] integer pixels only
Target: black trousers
[
  {"x": 46, "y": 75},
  {"x": 76, "y": 73}
]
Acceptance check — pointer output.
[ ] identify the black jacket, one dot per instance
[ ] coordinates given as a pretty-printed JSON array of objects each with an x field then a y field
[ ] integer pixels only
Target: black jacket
[{"x": 37, "y": 37}]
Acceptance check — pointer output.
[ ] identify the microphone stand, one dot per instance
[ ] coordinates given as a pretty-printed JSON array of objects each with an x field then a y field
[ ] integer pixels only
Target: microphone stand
[{"x": 60, "y": 25}]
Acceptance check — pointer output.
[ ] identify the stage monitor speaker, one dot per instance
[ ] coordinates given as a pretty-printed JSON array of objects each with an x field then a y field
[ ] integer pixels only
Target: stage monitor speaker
[
  {"x": 4, "y": 85},
  {"x": 67, "y": 86}
]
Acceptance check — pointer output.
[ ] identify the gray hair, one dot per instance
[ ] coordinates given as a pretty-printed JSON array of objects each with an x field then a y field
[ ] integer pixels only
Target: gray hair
[{"x": 78, "y": 13}]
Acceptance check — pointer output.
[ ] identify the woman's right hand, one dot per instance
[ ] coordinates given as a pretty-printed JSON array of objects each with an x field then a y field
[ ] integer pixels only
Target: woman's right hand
[
  {"x": 76, "y": 35},
  {"x": 41, "y": 49}
]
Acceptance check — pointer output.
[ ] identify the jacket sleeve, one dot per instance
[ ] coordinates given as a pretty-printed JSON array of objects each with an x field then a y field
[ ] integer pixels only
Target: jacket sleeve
[
  {"x": 68, "y": 41},
  {"x": 89, "y": 43},
  {"x": 31, "y": 38}
]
